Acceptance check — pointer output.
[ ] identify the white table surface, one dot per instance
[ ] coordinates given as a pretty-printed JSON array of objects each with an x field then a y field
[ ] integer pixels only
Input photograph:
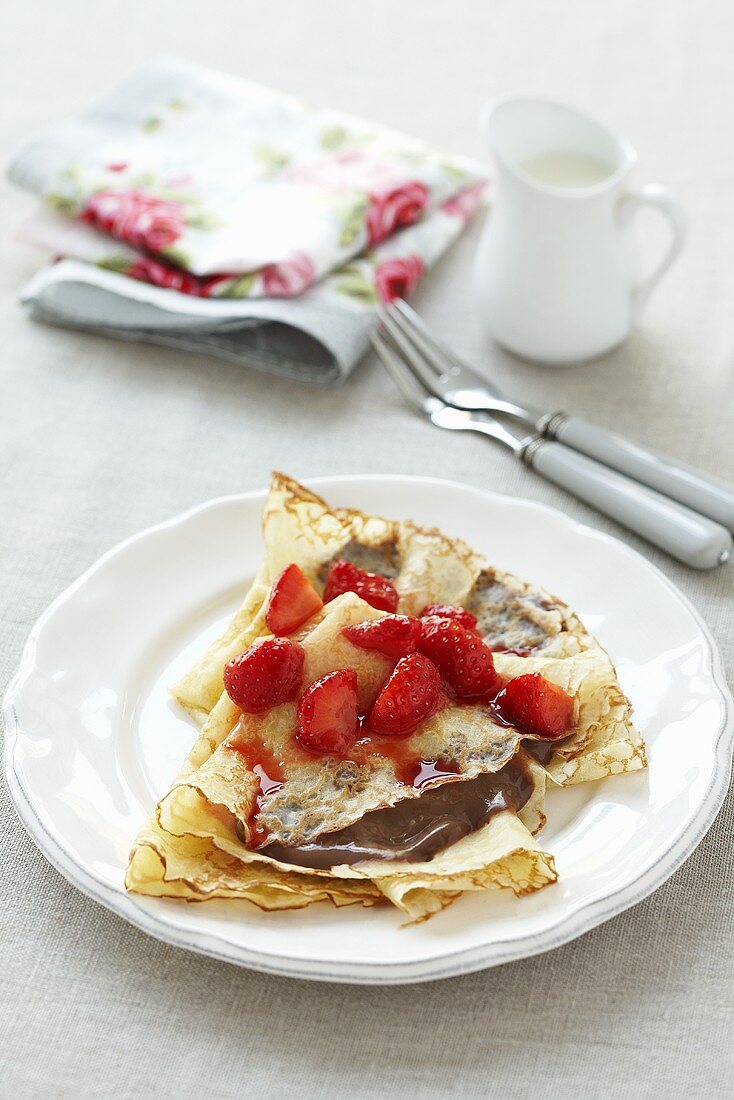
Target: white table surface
[{"x": 101, "y": 439}]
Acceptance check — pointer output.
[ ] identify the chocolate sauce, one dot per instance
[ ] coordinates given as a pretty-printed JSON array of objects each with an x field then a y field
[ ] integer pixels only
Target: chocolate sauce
[
  {"x": 415, "y": 829},
  {"x": 542, "y": 749},
  {"x": 269, "y": 771}
]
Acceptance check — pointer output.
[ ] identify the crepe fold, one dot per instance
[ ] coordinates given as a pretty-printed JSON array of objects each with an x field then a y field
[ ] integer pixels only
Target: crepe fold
[{"x": 205, "y": 837}]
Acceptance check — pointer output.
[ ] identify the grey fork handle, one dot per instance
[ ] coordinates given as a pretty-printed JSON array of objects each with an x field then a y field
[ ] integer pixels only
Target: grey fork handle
[
  {"x": 707, "y": 495},
  {"x": 688, "y": 536}
]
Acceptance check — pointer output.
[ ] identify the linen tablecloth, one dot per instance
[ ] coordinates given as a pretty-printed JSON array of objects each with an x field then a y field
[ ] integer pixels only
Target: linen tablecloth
[{"x": 101, "y": 439}]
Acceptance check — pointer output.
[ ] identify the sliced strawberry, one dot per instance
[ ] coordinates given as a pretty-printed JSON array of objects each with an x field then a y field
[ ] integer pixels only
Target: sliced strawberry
[
  {"x": 394, "y": 635},
  {"x": 327, "y": 720},
  {"x": 265, "y": 675},
  {"x": 375, "y": 589},
  {"x": 292, "y": 600},
  {"x": 449, "y": 611},
  {"x": 461, "y": 657},
  {"x": 411, "y": 695},
  {"x": 537, "y": 706}
]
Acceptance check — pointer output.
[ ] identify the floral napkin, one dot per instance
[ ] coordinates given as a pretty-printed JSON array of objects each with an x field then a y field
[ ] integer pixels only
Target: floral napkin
[{"x": 194, "y": 209}]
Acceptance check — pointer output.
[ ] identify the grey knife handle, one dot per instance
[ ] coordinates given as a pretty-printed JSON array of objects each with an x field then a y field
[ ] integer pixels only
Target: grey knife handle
[
  {"x": 707, "y": 495},
  {"x": 691, "y": 538}
]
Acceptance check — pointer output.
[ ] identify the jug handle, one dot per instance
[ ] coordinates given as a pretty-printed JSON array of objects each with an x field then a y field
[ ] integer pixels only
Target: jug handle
[{"x": 658, "y": 197}]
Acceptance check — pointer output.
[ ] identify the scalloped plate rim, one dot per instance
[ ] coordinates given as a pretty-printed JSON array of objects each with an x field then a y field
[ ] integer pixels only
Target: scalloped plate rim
[{"x": 568, "y": 927}]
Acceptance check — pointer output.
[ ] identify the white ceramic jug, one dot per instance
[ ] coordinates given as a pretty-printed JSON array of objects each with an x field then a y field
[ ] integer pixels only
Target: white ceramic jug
[{"x": 552, "y": 270}]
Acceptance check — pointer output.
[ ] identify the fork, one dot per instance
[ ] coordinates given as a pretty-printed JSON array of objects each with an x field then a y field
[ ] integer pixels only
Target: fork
[
  {"x": 451, "y": 380},
  {"x": 691, "y": 538}
]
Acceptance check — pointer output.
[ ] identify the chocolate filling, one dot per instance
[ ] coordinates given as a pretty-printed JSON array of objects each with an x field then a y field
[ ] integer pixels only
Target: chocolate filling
[
  {"x": 503, "y": 617},
  {"x": 415, "y": 829},
  {"x": 383, "y": 559}
]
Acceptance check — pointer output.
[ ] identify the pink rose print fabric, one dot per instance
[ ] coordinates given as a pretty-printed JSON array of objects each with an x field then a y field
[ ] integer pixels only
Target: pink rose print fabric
[
  {"x": 142, "y": 220},
  {"x": 394, "y": 208},
  {"x": 396, "y": 278},
  {"x": 346, "y": 170},
  {"x": 246, "y": 191},
  {"x": 465, "y": 203},
  {"x": 148, "y": 270},
  {"x": 213, "y": 193},
  {"x": 284, "y": 280}
]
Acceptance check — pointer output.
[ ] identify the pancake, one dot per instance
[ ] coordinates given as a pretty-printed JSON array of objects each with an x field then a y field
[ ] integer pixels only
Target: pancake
[
  {"x": 413, "y": 820},
  {"x": 309, "y": 794}
]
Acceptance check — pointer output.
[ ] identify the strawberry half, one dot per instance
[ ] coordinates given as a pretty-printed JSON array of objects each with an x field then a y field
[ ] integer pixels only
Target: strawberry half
[
  {"x": 374, "y": 589},
  {"x": 412, "y": 694},
  {"x": 448, "y": 611},
  {"x": 327, "y": 720},
  {"x": 394, "y": 635},
  {"x": 292, "y": 600},
  {"x": 461, "y": 657},
  {"x": 537, "y": 706},
  {"x": 265, "y": 675}
]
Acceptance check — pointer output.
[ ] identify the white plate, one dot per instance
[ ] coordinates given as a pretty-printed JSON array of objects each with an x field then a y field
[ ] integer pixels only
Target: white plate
[{"x": 93, "y": 740}]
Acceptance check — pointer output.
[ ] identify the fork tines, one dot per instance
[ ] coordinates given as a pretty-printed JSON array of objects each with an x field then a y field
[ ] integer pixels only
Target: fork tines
[
  {"x": 429, "y": 358},
  {"x": 440, "y": 371},
  {"x": 400, "y": 372}
]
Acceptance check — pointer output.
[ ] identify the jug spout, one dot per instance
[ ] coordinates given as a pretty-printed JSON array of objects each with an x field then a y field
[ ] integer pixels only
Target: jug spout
[{"x": 553, "y": 148}]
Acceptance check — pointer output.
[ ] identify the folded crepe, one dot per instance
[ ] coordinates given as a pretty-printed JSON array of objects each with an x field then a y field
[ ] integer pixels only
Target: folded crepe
[{"x": 417, "y": 819}]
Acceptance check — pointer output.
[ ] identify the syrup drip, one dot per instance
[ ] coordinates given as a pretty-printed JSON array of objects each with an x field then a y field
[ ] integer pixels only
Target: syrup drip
[
  {"x": 411, "y": 769},
  {"x": 429, "y": 770},
  {"x": 268, "y": 786},
  {"x": 270, "y": 772}
]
